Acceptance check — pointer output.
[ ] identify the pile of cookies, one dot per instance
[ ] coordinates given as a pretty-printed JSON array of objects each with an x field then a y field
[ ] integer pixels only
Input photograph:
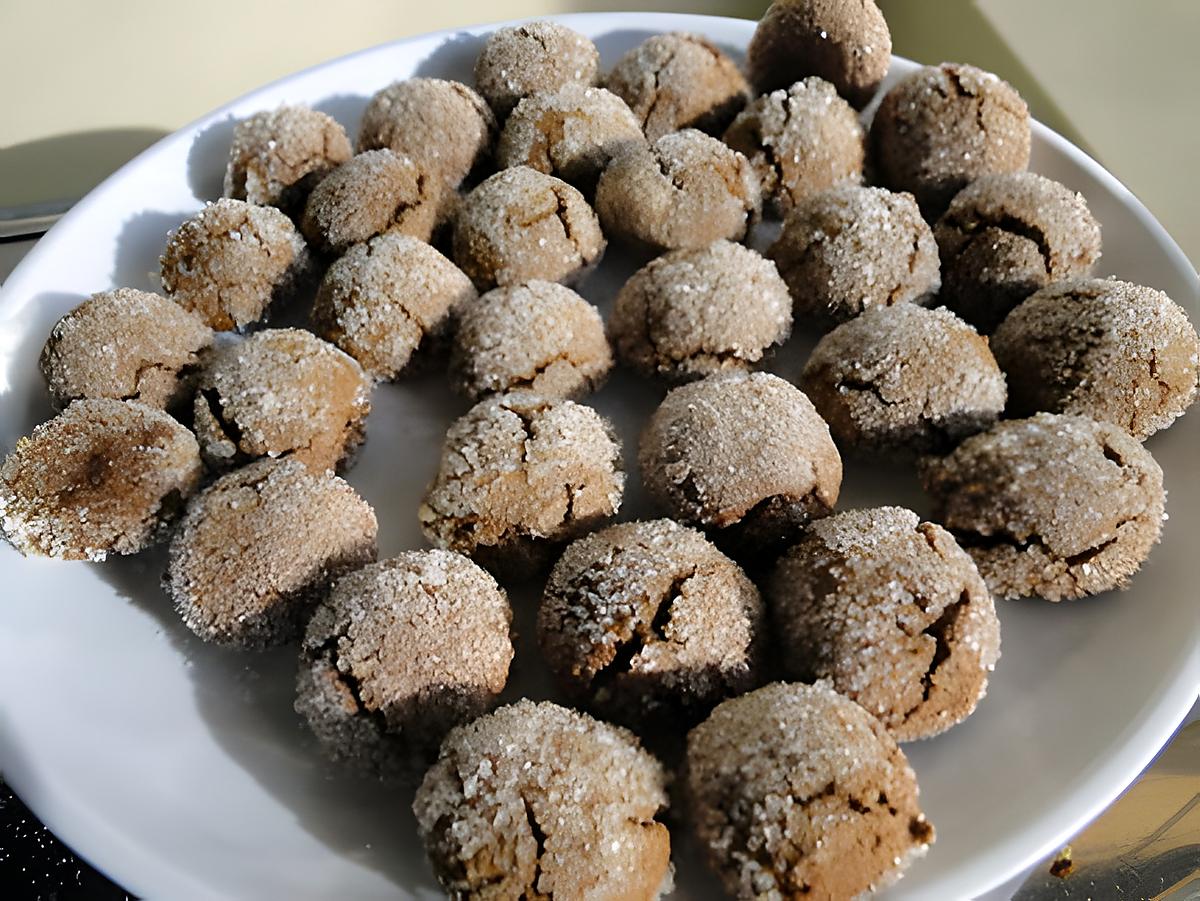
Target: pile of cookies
[{"x": 792, "y": 644}]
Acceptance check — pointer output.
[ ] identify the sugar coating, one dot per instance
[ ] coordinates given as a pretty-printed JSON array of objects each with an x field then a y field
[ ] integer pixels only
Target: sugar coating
[
  {"x": 942, "y": 127},
  {"x": 892, "y": 612},
  {"x": 801, "y": 141},
  {"x": 847, "y": 44},
  {"x": 258, "y": 549},
  {"x": 685, "y": 190},
  {"x": 904, "y": 379},
  {"x": 278, "y": 155},
  {"x": 533, "y": 58},
  {"x": 746, "y": 456},
  {"x": 281, "y": 392},
  {"x": 521, "y": 474},
  {"x": 679, "y": 80},
  {"x": 126, "y": 345},
  {"x": 571, "y": 133},
  {"x": 231, "y": 261},
  {"x": 691, "y": 313},
  {"x": 537, "y": 801},
  {"x": 648, "y": 623},
  {"x": 1006, "y": 236},
  {"x": 796, "y": 791},
  {"x": 1108, "y": 349},
  {"x": 104, "y": 476},
  {"x": 444, "y": 127},
  {"x": 539, "y": 336},
  {"x": 387, "y": 300},
  {"x": 398, "y": 653},
  {"x": 1054, "y": 506},
  {"x": 853, "y": 248},
  {"x": 522, "y": 224},
  {"x": 377, "y": 191}
]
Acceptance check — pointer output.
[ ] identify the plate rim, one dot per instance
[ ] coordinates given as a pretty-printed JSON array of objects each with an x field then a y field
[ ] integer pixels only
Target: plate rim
[{"x": 138, "y": 871}]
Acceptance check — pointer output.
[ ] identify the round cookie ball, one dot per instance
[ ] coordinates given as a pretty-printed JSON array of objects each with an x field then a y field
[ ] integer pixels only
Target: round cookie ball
[
  {"x": 538, "y": 336},
  {"x": 444, "y": 127},
  {"x": 944, "y": 126},
  {"x": 521, "y": 475},
  {"x": 521, "y": 225},
  {"x": 126, "y": 345},
  {"x": 571, "y": 134},
  {"x": 278, "y": 155},
  {"x": 1006, "y": 236},
  {"x": 852, "y": 248},
  {"x": 281, "y": 391},
  {"x": 104, "y": 476},
  {"x": 387, "y": 300},
  {"x": 400, "y": 652},
  {"x": 1054, "y": 506},
  {"x": 676, "y": 81},
  {"x": 892, "y": 612},
  {"x": 532, "y": 58},
  {"x": 796, "y": 791},
  {"x": 537, "y": 801},
  {"x": 904, "y": 379},
  {"x": 744, "y": 456},
  {"x": 847, "y": 44},
  {"x": 692, "y": 313},
  {"x": 376, "y": 191},
  {"x": 231, "y": 261},
  {"x": 800, "y": 141},
  {"x": 648, "y": 624},
  {"x": 1108, "y": 349},
  {"x": 258, "y": 549},
  {"x": 685, "y": 190}
]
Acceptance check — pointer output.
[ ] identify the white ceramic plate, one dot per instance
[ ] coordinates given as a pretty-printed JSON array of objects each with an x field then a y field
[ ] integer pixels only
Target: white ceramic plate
[{"x": 180, "y": 769}]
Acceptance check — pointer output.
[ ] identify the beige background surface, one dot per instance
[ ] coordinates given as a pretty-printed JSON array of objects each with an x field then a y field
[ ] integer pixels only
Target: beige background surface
[{"x": 88, "y": 83}]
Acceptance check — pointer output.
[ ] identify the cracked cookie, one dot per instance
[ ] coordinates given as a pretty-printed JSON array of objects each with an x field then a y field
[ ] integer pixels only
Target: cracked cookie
[
  {"x": 744, "y": 456},
  {"x": 1055, "y": 506},
  {"x": 1108, "y": 349},
  {"x": 892, "y": 612},
  {"x": 522, "y": 224},
  {"x": 1006, "y": 236},
  {"x": 126, "y": 345},
  {"x": 377, "y": 191},
  {"x": 104, "y": 476},
  {"x": 685, "y": 190},
  {"x": 853, "y": 248},
  {"x": 904, "y": 379},
  {"x": 796, "y": 791},
  {"x": 389, "y": 302},
  {"x": 398, "y": 653},
  {"x": 232, "y": 261},
  {"x": 538, "y": 336},
  {"x": 678, "y": 80},
  {"x": 258, "y": 549},
  {"x": 942, "y": 127},
  {"x": 537, "y": 801},
  {"x": 648, "y": 624},
  {"x": 571, "y": 133},
  {"x": 800, "y": 141},
  {"x": 444, "y": 127},
  {"x": 281, "y": 392},
  {"x": 532, "y": 58},
  {"x": 847, "y": 44},
  {"x": 691, "y": 313},
  {"x": 277, "y": 156},
  {"x": 520, "y": 475}
]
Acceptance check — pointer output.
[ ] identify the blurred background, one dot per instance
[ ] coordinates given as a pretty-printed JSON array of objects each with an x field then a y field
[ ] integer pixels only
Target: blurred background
[{"x": 90, "y": 83}]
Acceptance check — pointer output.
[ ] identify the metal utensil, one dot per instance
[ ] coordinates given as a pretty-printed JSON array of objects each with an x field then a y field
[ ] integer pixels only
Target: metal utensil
[{"x": 30, "y": 220}]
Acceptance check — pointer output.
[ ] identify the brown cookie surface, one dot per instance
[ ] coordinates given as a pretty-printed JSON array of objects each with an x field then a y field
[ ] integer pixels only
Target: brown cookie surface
[
  {"x": 1054, "y": 506},
  {"x": 532, "y": 58}
]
